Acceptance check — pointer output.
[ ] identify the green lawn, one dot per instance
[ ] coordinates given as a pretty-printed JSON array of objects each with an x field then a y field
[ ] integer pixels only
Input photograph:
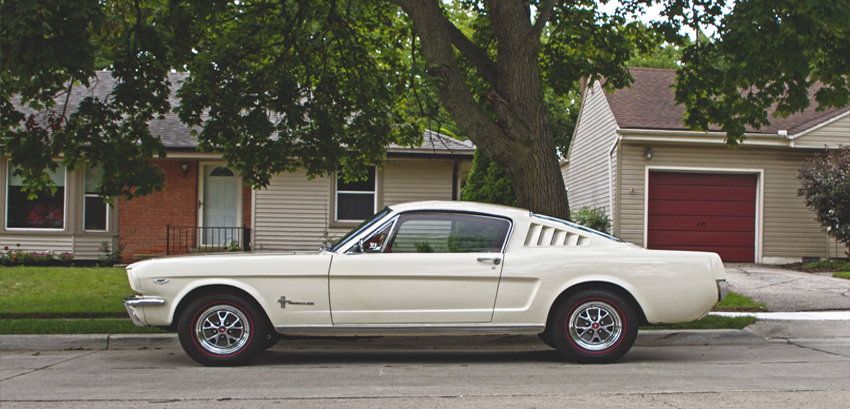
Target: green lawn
[
  {"x": 63, "y": 292},
  {"x": 738, "y": 303},
  {"x": 842, "y": 274}
]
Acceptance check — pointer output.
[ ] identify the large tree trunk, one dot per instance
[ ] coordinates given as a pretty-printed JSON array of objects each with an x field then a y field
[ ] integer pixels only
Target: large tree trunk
[{"x": 520, "y": 138}]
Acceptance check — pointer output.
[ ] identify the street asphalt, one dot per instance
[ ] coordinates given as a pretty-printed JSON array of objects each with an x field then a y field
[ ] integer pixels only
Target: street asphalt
[{"x": 796, "y": 293}]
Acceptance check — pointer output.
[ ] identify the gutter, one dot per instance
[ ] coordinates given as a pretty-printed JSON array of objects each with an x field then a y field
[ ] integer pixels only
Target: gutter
[{"x": 663, "y": 133}]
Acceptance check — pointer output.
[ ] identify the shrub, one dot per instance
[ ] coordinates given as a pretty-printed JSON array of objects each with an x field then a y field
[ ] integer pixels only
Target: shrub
[
  {"x": 592, "y": 218},
  {"x": 488, "y": 183},
  {"x": 108, "y": 256},
  {"x": 826, "y": 190}
]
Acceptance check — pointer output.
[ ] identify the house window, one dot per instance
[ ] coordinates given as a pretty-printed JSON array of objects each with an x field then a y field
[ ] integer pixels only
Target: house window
[
  {"x": 355, "y": 201},
  {"x": 95, "y": 209},
  {"x": 47, "y": 211}
]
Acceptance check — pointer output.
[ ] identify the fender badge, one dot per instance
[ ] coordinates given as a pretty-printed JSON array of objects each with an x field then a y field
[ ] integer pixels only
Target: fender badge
[
  {"x": 283, "y": 301},
  {"x": 160, "y": 281}
]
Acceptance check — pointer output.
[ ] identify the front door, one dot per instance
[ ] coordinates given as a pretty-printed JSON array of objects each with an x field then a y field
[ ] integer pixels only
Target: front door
[
  {"x": 220, "y": 210},
  {"x": 423, "y": 268}
]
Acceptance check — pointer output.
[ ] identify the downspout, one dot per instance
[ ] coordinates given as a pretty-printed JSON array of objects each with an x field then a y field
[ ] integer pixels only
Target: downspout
[
  {"x": 611, "y": 181},
  {"x": 454, "y": 180}
]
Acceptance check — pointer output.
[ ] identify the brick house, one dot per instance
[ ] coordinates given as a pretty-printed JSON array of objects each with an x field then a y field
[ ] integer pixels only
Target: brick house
[
  {"x": 204, "y": 205},
  {"x": 666, "y": 187}
]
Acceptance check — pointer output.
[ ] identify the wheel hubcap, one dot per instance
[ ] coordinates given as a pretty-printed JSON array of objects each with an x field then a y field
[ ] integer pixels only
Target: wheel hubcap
[
  {"x": 595, "y": 326},
  {"x": 222, "y": 329}
]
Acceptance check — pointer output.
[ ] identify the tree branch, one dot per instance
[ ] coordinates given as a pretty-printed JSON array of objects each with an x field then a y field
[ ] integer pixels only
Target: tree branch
[
  {"x": 485, "y": 66},
  {"x": 542, "y": 18}
]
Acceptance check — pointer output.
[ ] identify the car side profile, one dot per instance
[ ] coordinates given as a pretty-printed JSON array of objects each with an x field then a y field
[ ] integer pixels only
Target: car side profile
[{"x": 438, "y": 268}]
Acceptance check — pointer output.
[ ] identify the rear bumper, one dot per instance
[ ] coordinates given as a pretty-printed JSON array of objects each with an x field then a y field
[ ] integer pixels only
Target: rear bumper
[{"x": 132, "y": 303}]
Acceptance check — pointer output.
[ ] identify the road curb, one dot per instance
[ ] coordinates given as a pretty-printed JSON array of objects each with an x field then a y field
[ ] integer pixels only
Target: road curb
[{"x": 650, "y": 338}]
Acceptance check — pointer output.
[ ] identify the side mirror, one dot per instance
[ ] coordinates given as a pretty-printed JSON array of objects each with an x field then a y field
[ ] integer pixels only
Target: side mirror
[{"x": 360, "y": 248}]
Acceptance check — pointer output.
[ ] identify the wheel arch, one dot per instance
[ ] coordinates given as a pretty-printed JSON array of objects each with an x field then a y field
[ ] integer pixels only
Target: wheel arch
[
  {"x": 596, "y": 285},
  {"x": 206, "y": 289}
]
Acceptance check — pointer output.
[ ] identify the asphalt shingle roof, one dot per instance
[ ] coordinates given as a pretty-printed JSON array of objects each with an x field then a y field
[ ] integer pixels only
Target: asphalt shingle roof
[
  {"x": 651, "y": 104},
  {"x": 176, "y": 135}
]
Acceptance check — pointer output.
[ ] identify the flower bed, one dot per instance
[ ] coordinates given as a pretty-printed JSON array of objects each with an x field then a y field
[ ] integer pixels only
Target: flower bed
[{"x": 35, "y": 258}]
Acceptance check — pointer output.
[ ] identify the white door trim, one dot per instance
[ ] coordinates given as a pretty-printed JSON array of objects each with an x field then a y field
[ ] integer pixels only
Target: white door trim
[
  {"x": 759, "y": 251},
  {"x": 202, "y": 178}
]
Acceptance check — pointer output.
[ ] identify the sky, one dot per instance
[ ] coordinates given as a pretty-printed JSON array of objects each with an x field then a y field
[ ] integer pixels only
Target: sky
[{"x": 654, "y": 13}]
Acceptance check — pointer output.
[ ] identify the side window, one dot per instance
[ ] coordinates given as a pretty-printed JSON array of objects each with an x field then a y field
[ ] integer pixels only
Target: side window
[
  {"x": 375, "y": 244},
  {"x": 448, "y": 233},
  {"x": 95, "y": 210},
  {"x": 355, "y": 201}
]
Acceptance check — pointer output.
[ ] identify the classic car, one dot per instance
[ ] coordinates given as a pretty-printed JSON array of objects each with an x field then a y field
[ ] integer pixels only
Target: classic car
[{"x": 438, "y": 268}]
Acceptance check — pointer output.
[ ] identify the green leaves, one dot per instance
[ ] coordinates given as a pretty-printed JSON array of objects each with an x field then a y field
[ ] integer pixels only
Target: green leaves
[
  {"x": 282, "y": 85},
  {"x": 768, "y": 55}
]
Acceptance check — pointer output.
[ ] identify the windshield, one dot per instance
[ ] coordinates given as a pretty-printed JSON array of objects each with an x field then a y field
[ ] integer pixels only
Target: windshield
[
  {"x": 577, "y": 226},
  {"x": 363, "y": 226}
]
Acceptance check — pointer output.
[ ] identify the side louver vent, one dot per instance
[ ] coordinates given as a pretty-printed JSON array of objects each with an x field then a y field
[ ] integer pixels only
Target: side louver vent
[{"x": 544, "y": 236}]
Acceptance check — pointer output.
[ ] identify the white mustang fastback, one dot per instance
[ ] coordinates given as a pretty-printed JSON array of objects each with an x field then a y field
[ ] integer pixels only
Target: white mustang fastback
[{"x": 430, "y": 268}]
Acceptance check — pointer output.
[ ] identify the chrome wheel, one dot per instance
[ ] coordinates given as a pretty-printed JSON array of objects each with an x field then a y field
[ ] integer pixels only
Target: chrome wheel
[
  {"x": 222, "y": 329},
  {"x": 595, "y": 326}
]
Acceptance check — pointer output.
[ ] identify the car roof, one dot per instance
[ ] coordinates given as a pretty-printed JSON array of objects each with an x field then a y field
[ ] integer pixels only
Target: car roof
[{"x": 435, "y": 205}]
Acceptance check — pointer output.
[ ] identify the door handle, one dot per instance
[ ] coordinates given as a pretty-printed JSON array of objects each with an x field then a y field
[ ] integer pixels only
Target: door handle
[{"x": 495, "y": 260}]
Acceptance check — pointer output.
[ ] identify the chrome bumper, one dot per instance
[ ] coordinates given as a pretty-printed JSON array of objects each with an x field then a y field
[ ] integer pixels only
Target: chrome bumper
[
  {"x": 722, "y": 290},
  {"x": 130, "y": 304}
]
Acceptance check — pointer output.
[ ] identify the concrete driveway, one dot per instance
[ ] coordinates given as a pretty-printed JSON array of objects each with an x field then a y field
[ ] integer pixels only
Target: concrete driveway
[{"x": 787, "y": 290}]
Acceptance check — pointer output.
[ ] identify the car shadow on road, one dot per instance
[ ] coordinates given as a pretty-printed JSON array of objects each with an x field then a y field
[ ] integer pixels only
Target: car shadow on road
[{"x": 409, "y": 356}]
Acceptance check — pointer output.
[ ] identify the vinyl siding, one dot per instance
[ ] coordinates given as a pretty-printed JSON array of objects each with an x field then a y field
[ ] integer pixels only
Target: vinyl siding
[
  {"x": 831, "y": 135},
  {"x": 586, "y": 177},
  {"x": 82, "y": 246},
  {"x": 31, "y": 242},
  {"x": 88, "y": 247},
  {"x": 415, "y": 181},
  {"x": 292, "y": 213},
  {"x": 789, "y": 229}
]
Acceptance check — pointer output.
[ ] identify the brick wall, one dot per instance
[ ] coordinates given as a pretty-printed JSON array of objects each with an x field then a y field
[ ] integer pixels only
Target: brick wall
[{"x": 142, "y": 221}]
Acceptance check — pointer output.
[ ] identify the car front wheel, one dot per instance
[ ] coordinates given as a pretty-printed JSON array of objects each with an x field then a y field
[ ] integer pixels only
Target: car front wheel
[
  {"x": 595, "y": 326},
  {"x": 221, "y": 330}
]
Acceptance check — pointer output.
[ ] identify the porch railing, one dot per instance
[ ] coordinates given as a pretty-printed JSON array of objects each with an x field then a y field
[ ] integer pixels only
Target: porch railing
[{"x": 190, "y": 239}]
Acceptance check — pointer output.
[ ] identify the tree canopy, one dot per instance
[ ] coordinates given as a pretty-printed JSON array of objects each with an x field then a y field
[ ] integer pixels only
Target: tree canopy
[{"x": 277, "y": 85}]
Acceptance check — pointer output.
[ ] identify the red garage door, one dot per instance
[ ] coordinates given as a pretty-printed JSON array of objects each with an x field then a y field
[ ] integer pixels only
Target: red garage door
[{"x": 703, "y": 212}]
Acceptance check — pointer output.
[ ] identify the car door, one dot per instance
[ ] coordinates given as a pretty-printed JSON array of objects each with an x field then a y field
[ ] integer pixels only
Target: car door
[{"x": 421, "y": 268}]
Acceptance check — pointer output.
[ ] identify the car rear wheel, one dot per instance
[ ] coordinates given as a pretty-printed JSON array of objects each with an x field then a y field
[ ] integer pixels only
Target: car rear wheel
[
  {"x": 595, "y": 326},
  {"x": 221, "y": 330}
]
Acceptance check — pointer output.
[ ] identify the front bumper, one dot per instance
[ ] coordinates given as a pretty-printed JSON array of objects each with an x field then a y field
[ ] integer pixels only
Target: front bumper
[
  {"x": 722, "y": 290},
  {"x": 130, "y": 303}
]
